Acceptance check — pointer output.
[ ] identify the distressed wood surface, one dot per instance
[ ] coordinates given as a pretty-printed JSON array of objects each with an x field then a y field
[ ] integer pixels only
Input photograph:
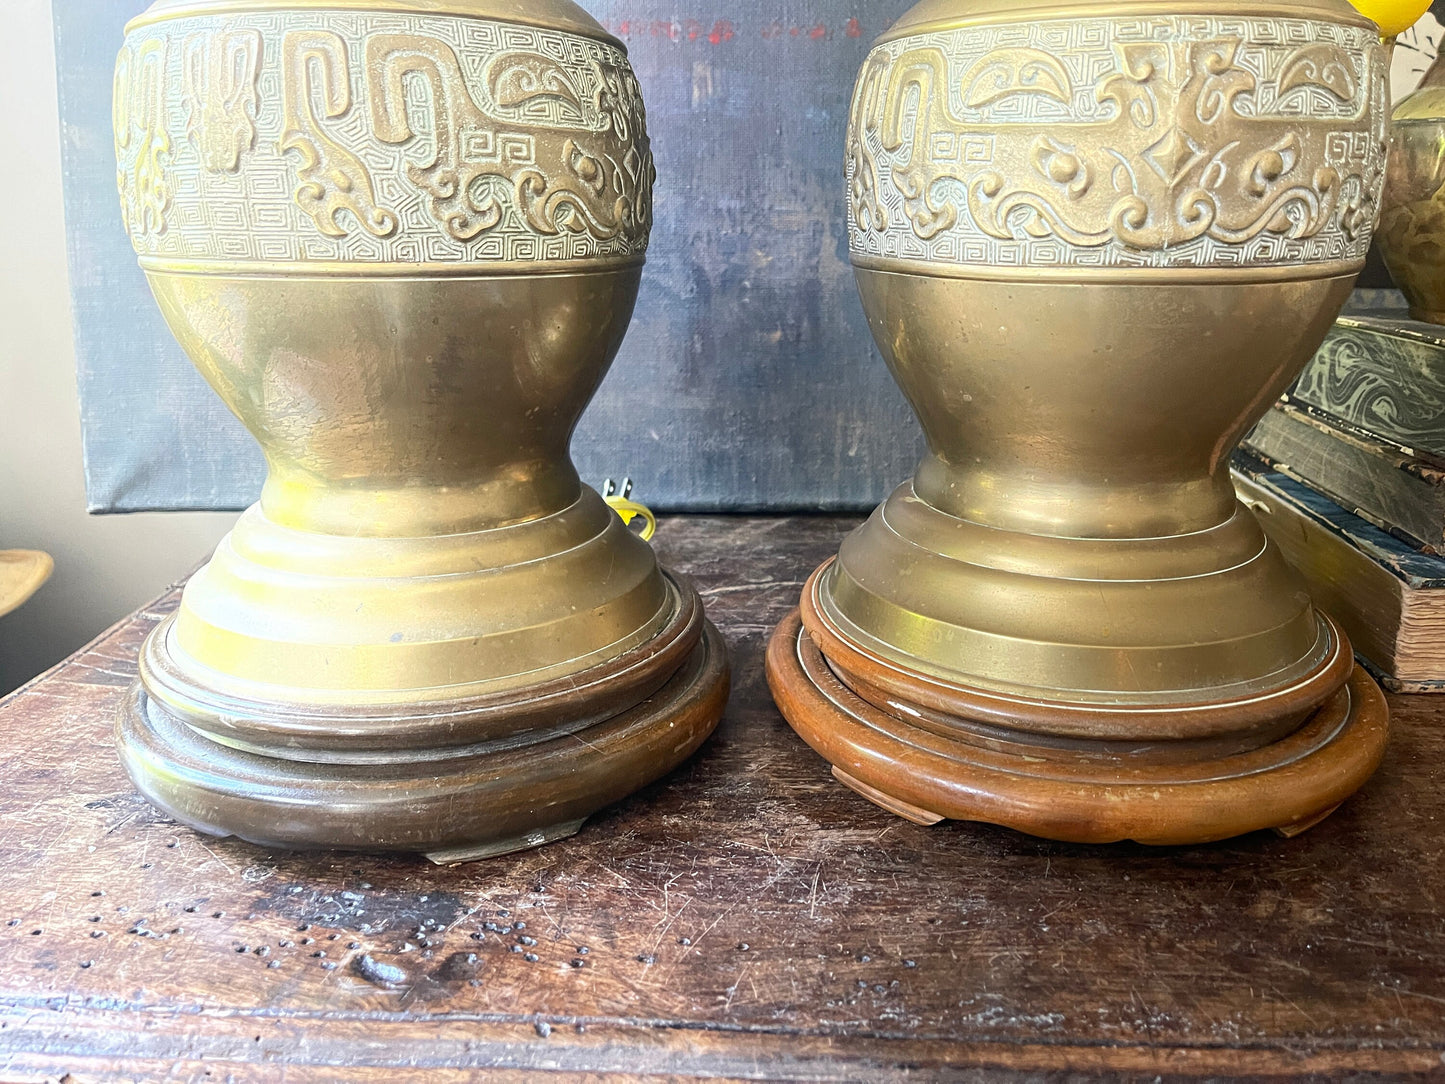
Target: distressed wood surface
[{"x": 747, "y": 917}]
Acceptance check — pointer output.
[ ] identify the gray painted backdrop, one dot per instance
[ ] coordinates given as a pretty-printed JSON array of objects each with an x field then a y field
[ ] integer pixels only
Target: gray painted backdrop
[{"x": 748, "y": 381}]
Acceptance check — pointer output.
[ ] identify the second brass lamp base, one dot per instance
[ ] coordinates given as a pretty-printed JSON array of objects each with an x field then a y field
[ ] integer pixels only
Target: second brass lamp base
[
  {"x": 1278, "y": 753},
  {"x": 928, "y": 766}
]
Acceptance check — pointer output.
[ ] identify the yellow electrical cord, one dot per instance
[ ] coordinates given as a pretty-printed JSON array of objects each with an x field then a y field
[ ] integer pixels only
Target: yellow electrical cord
[{"x": 628, "y": 510}]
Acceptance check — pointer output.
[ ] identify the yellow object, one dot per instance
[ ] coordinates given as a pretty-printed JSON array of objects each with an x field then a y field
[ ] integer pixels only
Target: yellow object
[
  {"x": 1393, "y": 16},
  {"x": 22, "y": 572},
  {"x": 627, "y": 509}
]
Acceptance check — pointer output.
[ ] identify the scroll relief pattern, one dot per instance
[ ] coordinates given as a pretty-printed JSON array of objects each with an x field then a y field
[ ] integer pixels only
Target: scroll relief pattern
[
  {"x": 1380, "y": 383},
  {"x": 379, "y": 138},
  {"x": 1171, "y": 142}
]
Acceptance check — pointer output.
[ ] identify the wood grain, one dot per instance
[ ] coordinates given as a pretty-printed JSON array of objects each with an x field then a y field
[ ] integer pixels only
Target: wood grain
[
  {"x": 926, "y": 766},
  {"x": 747, "y": 917}
]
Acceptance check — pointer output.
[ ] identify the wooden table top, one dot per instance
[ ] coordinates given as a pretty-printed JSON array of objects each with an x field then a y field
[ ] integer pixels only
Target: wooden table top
[{"x": 746, "y": 917}]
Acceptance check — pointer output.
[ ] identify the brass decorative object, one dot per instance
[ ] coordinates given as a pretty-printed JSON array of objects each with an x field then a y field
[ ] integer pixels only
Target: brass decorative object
[
  {"x": 22, "y": 573},
  {"x": 1094, "y": 242},
  {"x": 402, "y": 239},
  {"x": 1412, "y": 227}
]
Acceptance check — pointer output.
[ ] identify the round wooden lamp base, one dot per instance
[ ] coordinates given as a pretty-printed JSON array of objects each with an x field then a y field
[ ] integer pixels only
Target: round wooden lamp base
[
  {"x": 928, "y": 766},
  {"x": 454, "y": 804}
]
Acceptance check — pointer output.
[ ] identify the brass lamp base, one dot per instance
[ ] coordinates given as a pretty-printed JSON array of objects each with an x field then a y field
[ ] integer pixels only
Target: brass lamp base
[
  {"x": 544, "y": 760},
  {"x": 461, "y": 695},
  {"x": 930, "y": 750}
]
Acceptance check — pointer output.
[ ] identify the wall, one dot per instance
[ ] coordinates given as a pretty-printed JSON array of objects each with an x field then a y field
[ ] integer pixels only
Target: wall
[{"x": 105, "y": 565}]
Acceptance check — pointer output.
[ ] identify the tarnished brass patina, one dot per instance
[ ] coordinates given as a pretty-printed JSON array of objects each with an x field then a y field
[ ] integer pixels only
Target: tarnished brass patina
[
  {"x": 402, "y": 240},
  {"x": 1094, "y": 241},
  {"x": 1412, "y": 227}
]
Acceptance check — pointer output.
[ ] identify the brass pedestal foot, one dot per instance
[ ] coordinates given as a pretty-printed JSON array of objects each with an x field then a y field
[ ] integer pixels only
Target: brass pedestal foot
[
  {"x": 451, "y": 804},
  {"x": 925, "y": 765}
]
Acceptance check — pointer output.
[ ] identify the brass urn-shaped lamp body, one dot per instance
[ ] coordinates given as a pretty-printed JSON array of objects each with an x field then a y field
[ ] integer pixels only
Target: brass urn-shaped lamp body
[
  {"x": 1412, "y": 224},
  {"x": 1094, "y": 242},
  {"x": 403, "y": 243}
]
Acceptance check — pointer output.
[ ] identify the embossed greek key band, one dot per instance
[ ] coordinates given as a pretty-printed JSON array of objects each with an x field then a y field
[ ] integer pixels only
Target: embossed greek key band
[
  {"x": 1190, "y": 142},
  {"x": 389, "y": 140}
]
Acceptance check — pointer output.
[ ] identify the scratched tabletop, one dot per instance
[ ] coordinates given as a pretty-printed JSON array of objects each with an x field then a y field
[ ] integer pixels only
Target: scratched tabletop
[{"x": 745, "y": 918}]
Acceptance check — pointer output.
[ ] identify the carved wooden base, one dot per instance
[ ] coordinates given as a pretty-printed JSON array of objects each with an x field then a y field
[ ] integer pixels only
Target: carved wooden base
[
  {"x": 925, "y": 765},
  {"x": 453, "y": 804}
]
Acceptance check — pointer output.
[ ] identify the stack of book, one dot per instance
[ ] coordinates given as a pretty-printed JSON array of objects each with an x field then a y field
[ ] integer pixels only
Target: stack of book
[{"x": 1347, "y": 472}]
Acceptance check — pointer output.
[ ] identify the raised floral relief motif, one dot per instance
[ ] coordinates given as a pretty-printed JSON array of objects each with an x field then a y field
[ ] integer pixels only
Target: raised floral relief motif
[
  {"x": 367, "y": 139},
  {"x": 474, "y": 163},
  {"x": 220, "y": 77},
  {"x": 1325, "y": 66},
  {"x": 142, "y": 144},
  {"x": 864, "y": 207},
  {"x": 612, "y": 196},
  {"x": 333, "y": 179},
  {"x": 1016, "y": 71},
  {"x": 1182, "y": 147},
  {"x": 535, "y": 87},
  {"x": 466, "y": 148}
]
